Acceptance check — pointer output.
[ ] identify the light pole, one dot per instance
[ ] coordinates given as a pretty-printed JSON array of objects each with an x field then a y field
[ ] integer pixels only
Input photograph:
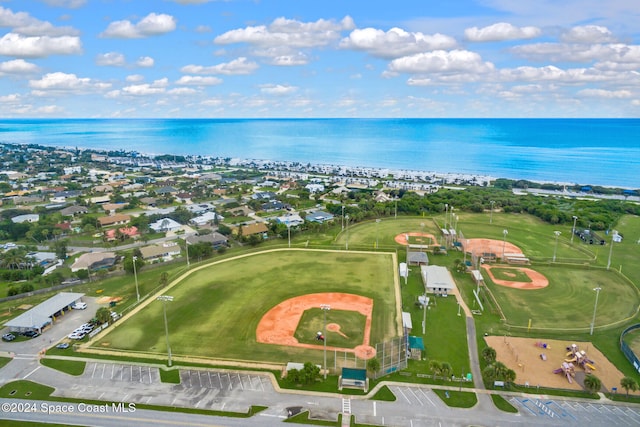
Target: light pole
[
  {"x": 135, "y": 275},
  {"x": 377, "y": 222},
  {"x": 346, "y": 246},
  {"x": 186, "y": 248},
  {"x": 289, "y": 232},
  {"x": 595, "y": 307},
  {"x": 450, "y": 216},
  {"x": 395, "y": 215},
  {"x": 342, "y": 217},
  {"x": 455, "y": 227},
  {"x": 491, "y": 214},
  {"x": 421, "y": 233},
  {"x": 613, "y": 234},
  {"x": 446, "y": 214},
  {"x": 325, "y": 308},
  {"x": 555, "y": 249},
  {"x": 165, "y": 299},
  {"x": 573, "y": 230},
  {"x": 504, "y": 242}
]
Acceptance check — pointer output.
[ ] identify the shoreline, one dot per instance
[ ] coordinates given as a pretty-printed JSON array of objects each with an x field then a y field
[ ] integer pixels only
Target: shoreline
[{"x": 134, "y": 158}]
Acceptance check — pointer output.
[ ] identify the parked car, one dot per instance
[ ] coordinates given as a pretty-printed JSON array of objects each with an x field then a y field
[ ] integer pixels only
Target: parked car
[
  {"x": 79, "y": 306},
  {"x": 76, "y": 335},
  {"x": 31, "y": 334},
  {"x": 63, "y": 345},
  {"x": 8, "y": 337}
]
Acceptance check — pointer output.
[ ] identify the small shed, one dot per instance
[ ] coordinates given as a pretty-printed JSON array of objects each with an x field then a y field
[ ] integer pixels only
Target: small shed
[
  {"x": 477, "y": 277},
  {"x": 353, "y": 378},
  {"x": 406, "y": 321},
  {"x": 437, "y": 279},
  {"x": 417, "y": 258},
  {"x": 416, "y": 347}
]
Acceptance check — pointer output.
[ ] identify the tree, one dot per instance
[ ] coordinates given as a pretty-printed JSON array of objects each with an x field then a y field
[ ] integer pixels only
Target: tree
[
  {"x": 592, "y": 383},
  {"x": 434, "y": 367},
  {"x": 629, "y": 383},
  {"x": 489, "y": 354},
  {"x": 446, "y": 370},
  {"x": 373, "y": 365},
  {"x": 103, "y": 314},
  {"x": 60, "y": 248}
]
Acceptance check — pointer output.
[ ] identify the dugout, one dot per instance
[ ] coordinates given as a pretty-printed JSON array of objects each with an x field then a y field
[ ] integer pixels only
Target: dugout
[{"x": 353, "y": 378}]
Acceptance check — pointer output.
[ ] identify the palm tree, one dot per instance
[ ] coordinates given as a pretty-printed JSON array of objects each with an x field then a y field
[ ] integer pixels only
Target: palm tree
[
  {"x": 445, "y": 370},
  {"x": 435, "y": 368},
  {"x": 489, "y": 354},
  {"x": 629, "y": 383},
  {"x": 592, "y": 383}
]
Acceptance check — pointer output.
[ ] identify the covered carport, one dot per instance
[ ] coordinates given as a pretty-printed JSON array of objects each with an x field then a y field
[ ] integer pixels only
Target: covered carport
[{"x": 44, "y": 314}]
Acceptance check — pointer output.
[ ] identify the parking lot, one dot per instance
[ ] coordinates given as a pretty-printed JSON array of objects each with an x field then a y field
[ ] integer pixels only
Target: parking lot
[
  {"x": 121, "y": 372},
  {"x": 226, "y": 381},
  {"x": 572, "y": 412}
]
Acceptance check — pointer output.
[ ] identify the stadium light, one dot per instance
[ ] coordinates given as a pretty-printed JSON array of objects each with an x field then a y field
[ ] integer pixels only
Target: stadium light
[
  {"x": 573, "y": 231},
  {"x": 555, "y": 249},
  {"x": 491, "y": 214},
  {"x": 504, "y": 242},
  {"x": 325, "y": 308},
  {"x": 613, "y": 235},
  {"x": 135, "y": 275},
  {"x": 346, "y": 246},
  {"x": 595, "y": 307},
  {"x": 377, "y": 226},
  {"x": 165, "y": 299}
]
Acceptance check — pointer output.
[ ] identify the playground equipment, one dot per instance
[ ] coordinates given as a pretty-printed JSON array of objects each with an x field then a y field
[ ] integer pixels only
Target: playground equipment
[
  {"x": 567, "y": 369},
  {"x": 579, "y": 357}
]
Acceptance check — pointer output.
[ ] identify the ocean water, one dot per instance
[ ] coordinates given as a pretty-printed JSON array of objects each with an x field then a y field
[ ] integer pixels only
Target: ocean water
[{"x": 583, "y": 151}]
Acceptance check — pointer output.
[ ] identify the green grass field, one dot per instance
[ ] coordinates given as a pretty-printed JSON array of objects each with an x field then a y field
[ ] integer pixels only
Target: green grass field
[
  {"x": 351, "y": 327},
  {"x": 216, "y": 309},
  {"x": 568, "y": 301}
]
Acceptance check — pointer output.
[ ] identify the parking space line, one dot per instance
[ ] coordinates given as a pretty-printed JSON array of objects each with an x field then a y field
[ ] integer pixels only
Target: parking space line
[
  {"x": 403, "y": 395},
  {"x": 104, "y": 368},
  {"x": 200, "y": 378},
  {"x": 209, "y": 376},
  {"x": 426, "y": 396},
  {"x": 121, "y": 372},
  {"x": 240, "y": 379},
  {"x": 219, "y": 380},
  {"x": 230, "y": 385},
  {"x": 188, "y": 375},
  {"x": 416, "y": 396},
  {"x": 93, "y": 373}
]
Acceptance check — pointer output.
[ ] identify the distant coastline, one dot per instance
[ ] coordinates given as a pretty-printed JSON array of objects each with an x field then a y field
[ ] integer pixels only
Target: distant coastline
[{"x": 602, "y": 152}]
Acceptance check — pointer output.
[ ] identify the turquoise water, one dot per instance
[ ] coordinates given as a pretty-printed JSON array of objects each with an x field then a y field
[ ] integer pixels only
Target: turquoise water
[{"x": 584, "y": 151}]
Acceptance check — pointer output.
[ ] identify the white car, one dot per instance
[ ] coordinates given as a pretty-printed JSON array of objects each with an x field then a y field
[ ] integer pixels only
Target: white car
[
  {"x": 79, "y": 306},
  {"x": 76, "y": 335}
]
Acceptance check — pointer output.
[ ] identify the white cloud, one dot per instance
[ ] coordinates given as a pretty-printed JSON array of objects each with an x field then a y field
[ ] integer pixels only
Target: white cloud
[
  {"x": 553, "y": 73},
  {"x": 588, "y": 34},
  {"x": 71, "y": 4},
  {"x": 17, "y": 66},
  {"x": 144, "y": 89},
  {"x": 500, "y": 32},
  {"x": 49, "y": 109},
  {"x": 280, "y": 90},
  {"x": 10, "y": 99},
  {"x": 181, "y": 91},
  {"x": 237, "y": 66},
  {"x": 290, "y": 60},
  {"x": 110, "y": 59},
  {"x": 24, "y": 24},
  {"x": 562, "y": 52},
  {"x": 12, "y": 44},
  {"x": 203, "y": 29},
  {"x": 602, "y": 93},
  {"x": 151, "y": 25},
  {"x": 145, "y": 62},
  {"x": 199, "y": 81},
  {"x": 63, "y": 82},
  {"x": 441, "y": 61},
  {"x": 134, "y": 78},
  {"x": 395, "y": 43},
  {"x": 213, "y": 102},
  {"x": 290, "y": 33}
]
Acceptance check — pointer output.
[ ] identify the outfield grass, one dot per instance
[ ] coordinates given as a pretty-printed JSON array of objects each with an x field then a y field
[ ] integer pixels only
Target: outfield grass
[
  {"x": 216, "y": 310},
  {"x": 567, "y": 303}
]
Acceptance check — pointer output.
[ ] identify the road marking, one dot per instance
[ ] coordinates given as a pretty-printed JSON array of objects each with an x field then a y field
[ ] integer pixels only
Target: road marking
[
  {"x": 209, "y": 376},
  {"x": 26, "y": 376},
  {"x": 272, "y": 415},
  {"x": 140, "y": 369},
  {"x": 113, "y": 367},
  {"x": 93, "y": 373},
  {"x": 240, "y": 379},
  {"x": 104, "y": 368},
  {"x": 416, "y": 396},
  {"x": 230, "y": 385},
  {"x": 426, "y": 396},
  {"x": 374, "y": 408},
  {"x": 199, "y": 379},
  {"x": 403, "y": 395}
]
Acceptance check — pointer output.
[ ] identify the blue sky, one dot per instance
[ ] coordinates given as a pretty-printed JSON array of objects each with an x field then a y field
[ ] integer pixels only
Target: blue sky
[{"x": 297, "y": 58}]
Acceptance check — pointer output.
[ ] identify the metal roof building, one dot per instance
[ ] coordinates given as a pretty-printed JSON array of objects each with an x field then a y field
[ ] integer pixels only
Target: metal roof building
[{"x": 43, "y": 314}]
